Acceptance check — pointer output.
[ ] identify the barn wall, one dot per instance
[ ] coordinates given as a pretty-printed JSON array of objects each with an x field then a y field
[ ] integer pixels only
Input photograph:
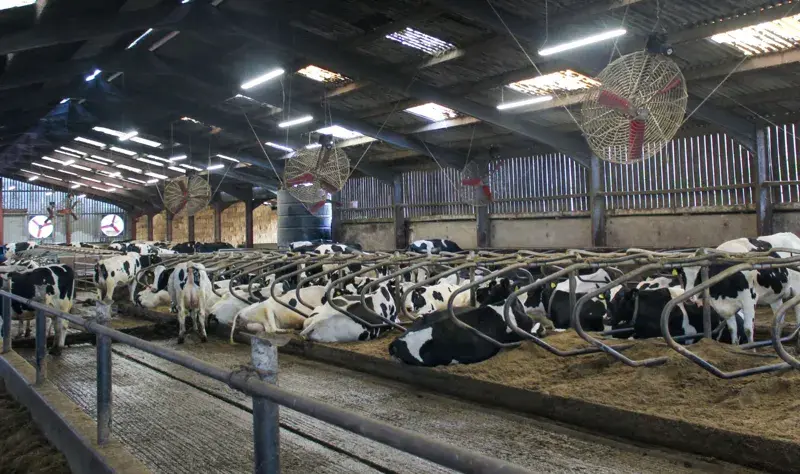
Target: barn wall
[
  {"x": 687, "y": 230},
  {"x": 461, "y": 232},
  {"x": 180, "y": 229},
  {"x": 521, "y": 233},
  {"x": 160, "y": 226},
  {"x": 141, "y": 228},
  {"x": 204, "y": 225},
  {"x": 371, "y": 235},
  {"x": 233, "y": 231},
  {"x": 265, "y": 225}
]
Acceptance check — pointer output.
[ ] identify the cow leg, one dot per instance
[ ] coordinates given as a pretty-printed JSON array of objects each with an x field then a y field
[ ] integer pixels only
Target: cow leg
[
  {"x": 749, "y": 316},
  {"x": 132, "y": 289},
  {"x": 181, "y": 323},
  {"x": 733, "y": 329},
  {"x": 202, "y": 315},
  {"x": 61, "y": 336}
]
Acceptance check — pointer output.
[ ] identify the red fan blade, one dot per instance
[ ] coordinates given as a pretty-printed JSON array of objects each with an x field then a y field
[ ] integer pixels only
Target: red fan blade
[
  {"x": 317, "y": 206},
  {"x": 114, "y": 227},
  {"x": 184, "y": 202},
  {"x": 672, "y": 84},
  {"x": 471, "y": 181},
  {"x": 487, "y": 192},
  {"x": 327, "y": 186},
  {"x": 612, "y": 100},
  {"x": 302, "y": 179},
  {"x": 636, "y": 139}
]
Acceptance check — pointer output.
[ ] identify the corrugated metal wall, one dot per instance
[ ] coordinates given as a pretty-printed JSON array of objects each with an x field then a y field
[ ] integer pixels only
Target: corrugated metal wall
[
  {"x": 706, "y": 171},
  {"x": 365, "y": 198},
  {"x": 34, "y": 200}
]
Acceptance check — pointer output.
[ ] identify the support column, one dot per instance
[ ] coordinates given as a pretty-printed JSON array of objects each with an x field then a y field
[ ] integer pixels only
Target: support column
[
  {"x": 68, "y": 229},
  {"x": 132, "y": 220},
  {"x": 150, "y": 227},
  {"x": 597, "y": 203},
  {"x": 248, "y": 223},
  {"x": 763, "y": 191},
  {"x": 336, "y": 217},
  {"x": 2, "y": 239},
  {"x": 190, "y": 227},
  {"x": 400, "y": 237},
  {"x": 218, "y": 208},
  {"x": 168, "y": 237}
]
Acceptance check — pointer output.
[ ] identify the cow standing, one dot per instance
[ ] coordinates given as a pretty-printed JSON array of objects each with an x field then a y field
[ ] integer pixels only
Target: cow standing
[
  {"x": 191, "y": 292},
  {"x": 53, "y": 285},
  {"x": 120, "y": 270}
]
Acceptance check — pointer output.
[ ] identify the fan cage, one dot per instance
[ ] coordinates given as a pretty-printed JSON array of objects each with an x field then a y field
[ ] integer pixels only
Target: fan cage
[
  {"x": 187, "y": 195},
  {"x": 310, "y": 177}
]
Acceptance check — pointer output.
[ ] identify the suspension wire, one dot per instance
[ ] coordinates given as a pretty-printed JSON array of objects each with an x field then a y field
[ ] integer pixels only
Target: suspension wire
[{"x": 277, "y": 175}]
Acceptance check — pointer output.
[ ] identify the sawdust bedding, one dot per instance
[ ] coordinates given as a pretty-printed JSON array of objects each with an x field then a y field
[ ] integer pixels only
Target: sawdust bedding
[{"x": 766, "y": 404}]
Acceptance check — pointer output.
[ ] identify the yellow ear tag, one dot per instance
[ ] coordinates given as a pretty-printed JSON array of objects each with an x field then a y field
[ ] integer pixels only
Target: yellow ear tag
[
  {"x": 675, "y": 272},
  {"x": 552, "y": 285}
]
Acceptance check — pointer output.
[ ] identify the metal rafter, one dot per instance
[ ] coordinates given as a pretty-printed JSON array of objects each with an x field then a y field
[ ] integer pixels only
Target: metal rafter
[{"x": 112, "y": 198}]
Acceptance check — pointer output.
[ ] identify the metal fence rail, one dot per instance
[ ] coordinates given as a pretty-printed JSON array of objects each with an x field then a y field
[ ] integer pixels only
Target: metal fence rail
[{"x": 266, "y": 396}]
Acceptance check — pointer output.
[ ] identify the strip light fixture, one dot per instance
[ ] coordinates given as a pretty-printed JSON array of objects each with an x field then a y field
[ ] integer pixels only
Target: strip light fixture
[
  {"x": 215, "y": 167},
  {"x": 140, "y": 38},
  {"x": 297, "y": 121},
  {"x": 145, "y": 141},
  {"x": 178, "y": 158},
  {"x": 524, "y": 102},
  {"x": 582, "y": 42},
  {"x": 228, "y": 158},
  {"x": 262, "y": 78},
  {"x": 128, "y": 135},
  {"x": 279, "y": 147},
  {"x": 72, "y": 150}
]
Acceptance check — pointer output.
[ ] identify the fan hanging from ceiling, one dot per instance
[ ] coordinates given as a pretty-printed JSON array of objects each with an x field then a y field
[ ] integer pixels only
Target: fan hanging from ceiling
[
  {"x": 186, "y": 195},
  {"x": 637, "y": 109},
  {"x": 310, "y": 175},
  {"x": 475, "y": 179},
  {"x": 71, "y": 205}
]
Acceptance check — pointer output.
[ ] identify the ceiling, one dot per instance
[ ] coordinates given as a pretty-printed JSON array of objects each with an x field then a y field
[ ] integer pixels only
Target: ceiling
[{"x": 175, "y": 73}]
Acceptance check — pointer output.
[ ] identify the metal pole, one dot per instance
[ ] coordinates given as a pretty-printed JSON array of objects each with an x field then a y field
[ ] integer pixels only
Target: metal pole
[
  {"x": 706, "y": 305},
  {"x": 6, "y": 325},
  {"x": 573, "y": 286},
  {"x": 266, "y": 428},
  {"x": 41, "y": 345},
  {"x": 103, "y": 312}
]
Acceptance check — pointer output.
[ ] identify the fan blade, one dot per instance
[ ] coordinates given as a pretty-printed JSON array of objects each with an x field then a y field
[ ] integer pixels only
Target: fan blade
[
  {"x": 487, "y": 192},
  {"x": 636, "y": 139},
  {"x": 317, "y": 206},
  {"x": 302, "y": 179},
  {"x": 184, "y": 188},
  {"x": 672, "y": 84},
  {"x": 327, "y": 186},
  {"x": 471, "y": 182},
  {"x": 74, "y": 216},
  {"x": 182, "y": 205},
  {"x": 612, "y": 100}
]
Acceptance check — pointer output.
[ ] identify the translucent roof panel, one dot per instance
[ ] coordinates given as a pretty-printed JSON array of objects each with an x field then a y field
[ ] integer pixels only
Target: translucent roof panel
[
  {"x": 561, "y": 81},
  {"x": 322, "y": 75},
  {"x": 418, "y": 40},
  {"x": 6, "y": 4},
  {"x": 768, "y": 37},
  {"x": 433, "y": 112}
]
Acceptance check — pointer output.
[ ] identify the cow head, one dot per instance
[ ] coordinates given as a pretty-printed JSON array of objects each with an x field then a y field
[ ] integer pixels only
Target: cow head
[{"x": 621, "y": 309}]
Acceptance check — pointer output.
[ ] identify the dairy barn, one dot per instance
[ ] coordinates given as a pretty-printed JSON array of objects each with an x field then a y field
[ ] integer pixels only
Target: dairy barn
[{"x": 413, "y": 236}]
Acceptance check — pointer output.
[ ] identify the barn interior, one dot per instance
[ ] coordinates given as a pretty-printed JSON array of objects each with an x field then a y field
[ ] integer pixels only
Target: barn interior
[{"x": 561, "y": 136}]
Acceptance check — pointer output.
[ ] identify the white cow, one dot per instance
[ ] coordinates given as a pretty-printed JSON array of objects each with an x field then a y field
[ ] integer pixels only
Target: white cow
[
  {"x": 274, "y": 317},
  {"x": 190, "y": 290},
  {"x": 120, "y": 271}
]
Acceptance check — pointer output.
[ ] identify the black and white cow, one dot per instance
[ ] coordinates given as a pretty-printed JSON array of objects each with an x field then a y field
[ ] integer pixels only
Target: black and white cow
[
  {"x": 328, "y": 324},
  {"x": 120, "y": 271},
  {"x": 433, "y": 246},
  {"x": 16, "y": 247},
  {"x": 156, "y": 294},
  {"x": 190, "y": 290},
  {"x": 435, "y": 340},
  {"x": 641, "y": 308},
  {"x": 208, "y": 247},
  {"x": 428, "y": 299},
  {"x": 553, "y": 299},
  {"x": 743, "y": 290},
  {"x": 53, "y": 285},
  {"x": 273, "y": 317}
]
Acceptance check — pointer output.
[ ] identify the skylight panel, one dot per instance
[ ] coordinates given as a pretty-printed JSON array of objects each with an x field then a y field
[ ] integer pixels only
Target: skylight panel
[
  {"x": 768, "y": 37},
  {"x": 339, "y": 132},
  {"x": 43, "y": 166},
  {"x": 191, "y": 167},
  {"x": 418, "y": 40},
  {"x": 90, "y": 179},
  {"x": 90, "y": 142},
  {"x": 322, "y": 75},
  {"x": 561, "y": 81},
  {"x": 6, "y": 4},
  {"x": 149, "y": 162},
  {"x": 130, "y": 168},
  {"x": 433, "y": 112}
]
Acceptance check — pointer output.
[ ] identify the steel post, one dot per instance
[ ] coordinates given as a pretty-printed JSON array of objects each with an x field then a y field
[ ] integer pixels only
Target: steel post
[
  {"x": 103, "y": 377},
  {"x": 6, "y": 324},
  {"x": 266, "y": 428},
  {"x": 573, "y": 286},
  {"x": 706, "y": 305},
  {"x": 41, "y": 345}
]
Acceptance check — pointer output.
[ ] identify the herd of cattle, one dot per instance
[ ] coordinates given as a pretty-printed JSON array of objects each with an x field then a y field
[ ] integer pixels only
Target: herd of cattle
[{"x": 328, "y": 313}]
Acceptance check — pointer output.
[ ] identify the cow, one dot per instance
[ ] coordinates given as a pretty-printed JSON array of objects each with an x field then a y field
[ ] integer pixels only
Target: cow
[
  {"x": 435, "y": 339},
  {"x": 208, "y": 247},
  {"x": 433, "y": 246},
  {"x": 328, "y": 324},
  {"x": 147, "y": 249},
  {"x": 743, "y": 290},
  {"x": 120, "y": 270},
  {"x": 190, "y": 290},
  {"x": 19, "y": 265},
  {"x": 640, "y": 309},
  {"x": 274, "y": 317},
  {"x": 53, "y": 285},
  {"x": 17, "y": 247},
  {"x": 157, "y": 293},
  {"x": 428, "y": 299}
]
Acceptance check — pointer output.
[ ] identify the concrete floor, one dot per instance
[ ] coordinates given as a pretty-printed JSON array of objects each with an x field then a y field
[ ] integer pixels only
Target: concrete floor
[{"x": 175, "y": 428}]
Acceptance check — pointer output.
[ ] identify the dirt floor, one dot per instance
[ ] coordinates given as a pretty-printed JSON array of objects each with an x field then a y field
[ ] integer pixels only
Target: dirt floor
[
  {"x": 23, "y": 448},
  {"x": 763, "y": 404}
]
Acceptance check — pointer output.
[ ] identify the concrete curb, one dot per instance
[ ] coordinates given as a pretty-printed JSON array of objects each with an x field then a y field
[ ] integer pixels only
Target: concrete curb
[
  {"x": 64, "y": 424},
  {"x": 743, "y": 449}
]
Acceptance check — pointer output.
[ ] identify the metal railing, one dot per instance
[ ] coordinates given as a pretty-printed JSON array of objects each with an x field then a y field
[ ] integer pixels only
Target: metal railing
[{"x": 267, "y": 396}]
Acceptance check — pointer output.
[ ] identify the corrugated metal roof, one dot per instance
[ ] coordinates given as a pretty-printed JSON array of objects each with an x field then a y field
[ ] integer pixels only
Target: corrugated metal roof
[{"x": 768, "y": 37}]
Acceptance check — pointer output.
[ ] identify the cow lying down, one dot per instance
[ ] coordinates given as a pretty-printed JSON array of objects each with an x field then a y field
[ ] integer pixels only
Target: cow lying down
[
  {"x": 435, "y": 340},
  {"x": 640, "y": 309},
  {"x": 273, "y": 317},
  {"x": 328, "y": 324}
]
